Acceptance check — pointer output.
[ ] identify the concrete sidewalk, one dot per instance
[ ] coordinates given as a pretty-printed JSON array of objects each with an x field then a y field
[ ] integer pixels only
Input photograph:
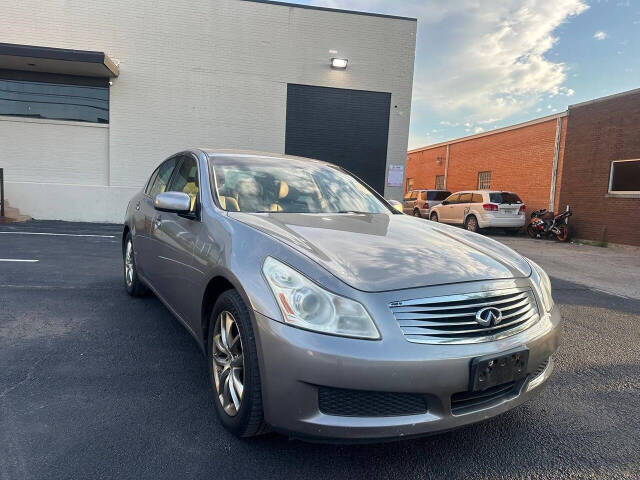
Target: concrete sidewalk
[{"x": 613, "y": 270}]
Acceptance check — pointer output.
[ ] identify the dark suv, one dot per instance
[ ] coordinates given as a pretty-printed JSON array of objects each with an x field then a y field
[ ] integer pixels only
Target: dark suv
[{"x": 419, "y": 202}]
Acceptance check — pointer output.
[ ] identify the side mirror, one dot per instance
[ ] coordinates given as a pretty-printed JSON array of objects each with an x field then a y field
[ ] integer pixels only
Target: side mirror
[
  {"x": 176, "y": 202},
  {"x": 445, "y": 202}
]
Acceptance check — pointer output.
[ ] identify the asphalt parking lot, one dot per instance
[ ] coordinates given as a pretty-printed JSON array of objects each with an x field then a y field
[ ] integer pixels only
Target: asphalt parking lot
[{"x": 96, "y": 384}]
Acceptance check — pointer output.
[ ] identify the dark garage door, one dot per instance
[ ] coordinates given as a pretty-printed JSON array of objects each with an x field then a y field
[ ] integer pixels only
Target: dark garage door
[{"x": 346, "y": 127}]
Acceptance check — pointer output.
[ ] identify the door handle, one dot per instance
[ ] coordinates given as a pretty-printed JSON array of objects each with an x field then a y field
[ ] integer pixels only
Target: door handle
[
  {"x": 156, "y": 222},
  {"x": 138, "y": 205}
]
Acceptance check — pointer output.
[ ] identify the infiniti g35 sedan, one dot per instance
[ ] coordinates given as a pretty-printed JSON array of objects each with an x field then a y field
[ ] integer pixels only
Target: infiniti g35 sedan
[{"x": 303, "y": 288}]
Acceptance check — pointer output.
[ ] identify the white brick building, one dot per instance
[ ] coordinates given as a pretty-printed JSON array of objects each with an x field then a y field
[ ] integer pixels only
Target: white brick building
[{"x": 210, "y": 73}]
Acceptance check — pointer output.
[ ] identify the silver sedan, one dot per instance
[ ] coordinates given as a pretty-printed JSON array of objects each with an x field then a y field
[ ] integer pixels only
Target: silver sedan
[{"x": 324, "y": 312}]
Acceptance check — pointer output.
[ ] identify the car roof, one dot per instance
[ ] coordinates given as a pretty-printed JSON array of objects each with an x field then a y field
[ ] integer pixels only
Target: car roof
[{"x": 240, "y": 153}]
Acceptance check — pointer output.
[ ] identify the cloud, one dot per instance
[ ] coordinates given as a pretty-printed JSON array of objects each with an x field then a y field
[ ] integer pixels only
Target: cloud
[
  {"x": 480, "y": 61},
  {"x": 600, "y": 35},
  {"x": 478, "y": 130}
]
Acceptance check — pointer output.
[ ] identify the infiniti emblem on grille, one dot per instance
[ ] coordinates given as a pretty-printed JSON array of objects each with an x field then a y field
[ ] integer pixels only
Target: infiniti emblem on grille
[{"x": 489, "y": 316}]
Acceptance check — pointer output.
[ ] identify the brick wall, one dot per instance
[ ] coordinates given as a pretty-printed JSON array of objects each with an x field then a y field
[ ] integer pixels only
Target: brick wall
[
  {"x": 520, "y": 159},
  {"x": 600, "y": 132}
]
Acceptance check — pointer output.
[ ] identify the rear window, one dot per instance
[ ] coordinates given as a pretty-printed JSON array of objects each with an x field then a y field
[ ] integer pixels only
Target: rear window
[
  {"x": 504, "y": 197},
  {"x": 437, "y": 195}
]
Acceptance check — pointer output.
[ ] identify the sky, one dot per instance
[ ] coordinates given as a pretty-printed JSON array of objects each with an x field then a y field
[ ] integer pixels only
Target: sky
[{"x": 485, "y": 64}]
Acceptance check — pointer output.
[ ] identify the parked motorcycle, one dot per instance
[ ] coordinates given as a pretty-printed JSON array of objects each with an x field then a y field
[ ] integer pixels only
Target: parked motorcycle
[{"x": 546, "y": 224}]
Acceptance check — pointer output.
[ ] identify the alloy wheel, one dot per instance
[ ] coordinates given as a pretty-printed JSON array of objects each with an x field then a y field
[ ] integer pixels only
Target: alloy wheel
[
  {"x": 128, "y": 264},
  {"x": 228, "y": 363},
  {"x": 472, "y": 224}
]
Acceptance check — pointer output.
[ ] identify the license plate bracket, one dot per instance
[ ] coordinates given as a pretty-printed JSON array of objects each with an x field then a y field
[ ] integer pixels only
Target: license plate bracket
[{"x": 492, "y": 370}]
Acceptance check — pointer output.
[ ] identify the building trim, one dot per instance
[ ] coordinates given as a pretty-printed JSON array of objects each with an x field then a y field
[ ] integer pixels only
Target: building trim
[
  {"x": 554, "y": 169},
  {"x": 56, "y": 60},
  {"x": 604, "y": 99},
  {"x": 335, "y": 10},
  {"x": 492, "y": 132}
]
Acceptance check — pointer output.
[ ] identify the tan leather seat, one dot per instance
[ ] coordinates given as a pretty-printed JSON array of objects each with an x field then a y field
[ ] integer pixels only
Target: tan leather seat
[
  {"x": 230, "y": 204},
  {"x": 283, "y": 191}
]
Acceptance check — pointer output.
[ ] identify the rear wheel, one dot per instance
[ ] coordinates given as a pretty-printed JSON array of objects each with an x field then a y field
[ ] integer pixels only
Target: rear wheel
[
  {"x": 531, "y": 231},
  {"x": 434, "y": 217},
  {"x": 416, "y": 213},
  {"x": 564, "y": 234},
  {"x": 471, "y": 224},
  {"x": 233, "y": 366}
]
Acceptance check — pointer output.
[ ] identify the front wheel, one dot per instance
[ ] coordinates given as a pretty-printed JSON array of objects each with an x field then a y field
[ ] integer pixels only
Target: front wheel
[
  {"x": 233, "y": 367},
  {"x": 531, "y": 231},
  {"x": 434, "y": 217},
  {"x": 564, "y": 234},
  {"x": 132, "y": 282}
]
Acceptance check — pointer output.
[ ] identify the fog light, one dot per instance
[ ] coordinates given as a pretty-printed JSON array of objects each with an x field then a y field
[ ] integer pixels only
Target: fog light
[{"x": 339, "y": 63}]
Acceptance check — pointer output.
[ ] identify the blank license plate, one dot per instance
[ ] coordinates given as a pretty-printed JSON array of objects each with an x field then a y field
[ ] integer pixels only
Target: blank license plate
[{"x": 489, "y": 371}]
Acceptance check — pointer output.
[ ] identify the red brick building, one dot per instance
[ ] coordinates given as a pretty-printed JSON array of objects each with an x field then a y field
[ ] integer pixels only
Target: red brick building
[{"x": 563, "y": 159}]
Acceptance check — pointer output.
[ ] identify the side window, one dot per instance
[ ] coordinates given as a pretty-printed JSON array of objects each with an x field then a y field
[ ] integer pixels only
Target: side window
[
  {"x": 186, "y": 180},
  {"x": 476, "y": 198},
  {"x": 465, "y": 198},
  {"x": 413, "y": 195},
  {"x": 423, "y": 196},
  {"x": 152, "y": 178},
  {"x": 165, "y": 170},
  {"x": 452, "y": 198}
]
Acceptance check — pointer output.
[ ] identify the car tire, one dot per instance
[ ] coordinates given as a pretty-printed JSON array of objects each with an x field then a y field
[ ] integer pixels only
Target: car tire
[
  {"x": 434, "y": 217},
  {"x": 245, "y": 420},
  {"x": 471, "y": 224},
  {"x": 416, "y": 213},
  {"x": 132, "y": 282}
]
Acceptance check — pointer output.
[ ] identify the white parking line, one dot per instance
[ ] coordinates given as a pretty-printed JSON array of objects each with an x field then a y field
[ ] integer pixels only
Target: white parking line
[
  {"x": 17, "y": 260},
  {"x": 61, "y": 234}
]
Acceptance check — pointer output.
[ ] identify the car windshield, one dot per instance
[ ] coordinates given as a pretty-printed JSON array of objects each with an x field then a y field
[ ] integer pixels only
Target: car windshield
[
  {"x": 437, "y": 195},
  {"x": 504, "y": 197},
  {"x": 266, "y": 184}
]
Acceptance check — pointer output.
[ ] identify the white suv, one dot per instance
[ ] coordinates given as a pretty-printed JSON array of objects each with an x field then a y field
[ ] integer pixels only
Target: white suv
[{"x": 476, "y": 209}]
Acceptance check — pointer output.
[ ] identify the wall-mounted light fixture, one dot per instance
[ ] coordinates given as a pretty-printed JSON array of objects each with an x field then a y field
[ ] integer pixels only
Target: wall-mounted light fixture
[
  {"x": 439, "y": 160},
  {"x": 339, "y": 63}
]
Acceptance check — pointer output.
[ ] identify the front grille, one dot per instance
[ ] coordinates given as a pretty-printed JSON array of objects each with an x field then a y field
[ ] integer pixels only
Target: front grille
[
  {"x": 452, "y": 318},
  {"x": 470, "y": 401},
  {"x": 359, "y": 403}
]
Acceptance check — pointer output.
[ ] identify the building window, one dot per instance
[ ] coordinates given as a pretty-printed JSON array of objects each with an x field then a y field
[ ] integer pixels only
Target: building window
[
  {"x": 439, "y": 182},
  {"x": 484, "y": 180},
  {"x": 59, "y": 97},
  {"x": 408, "y": 186},
  {"x": 625, "y": 176}
]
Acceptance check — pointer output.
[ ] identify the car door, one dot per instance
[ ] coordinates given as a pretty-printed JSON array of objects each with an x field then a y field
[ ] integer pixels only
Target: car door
[
  {"x": 446, "y": 209},
  {"x": 144, "y": 214},
  {"x": 462, "y": 208},
  {"x": 174, "y": 241}
]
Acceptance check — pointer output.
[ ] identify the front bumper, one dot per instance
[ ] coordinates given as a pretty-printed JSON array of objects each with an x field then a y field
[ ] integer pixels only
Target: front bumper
[{"x": 295, "y": 364}]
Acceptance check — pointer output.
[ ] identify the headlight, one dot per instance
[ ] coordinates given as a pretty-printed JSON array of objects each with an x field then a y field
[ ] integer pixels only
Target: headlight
[
  {"x": 306, "y": 305},
  {"x": 542, "y": 282}
]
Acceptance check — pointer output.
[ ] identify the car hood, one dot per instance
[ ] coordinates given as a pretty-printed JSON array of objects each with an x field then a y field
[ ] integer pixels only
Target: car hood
[{"x": 378, "y": 252}]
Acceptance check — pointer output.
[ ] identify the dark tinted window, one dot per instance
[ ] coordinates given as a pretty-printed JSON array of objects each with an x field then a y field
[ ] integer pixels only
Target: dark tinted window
[
  {"x": 59, "y": 97},
  {"x": 625, "y": 176},
  {"x": 504, "y": 197},
  {"x": 465, "y": 198},
  {"x": 476, "y": 198},
  {"x": 162, "y": 177},
  {"x": 435, "y": 195}
]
